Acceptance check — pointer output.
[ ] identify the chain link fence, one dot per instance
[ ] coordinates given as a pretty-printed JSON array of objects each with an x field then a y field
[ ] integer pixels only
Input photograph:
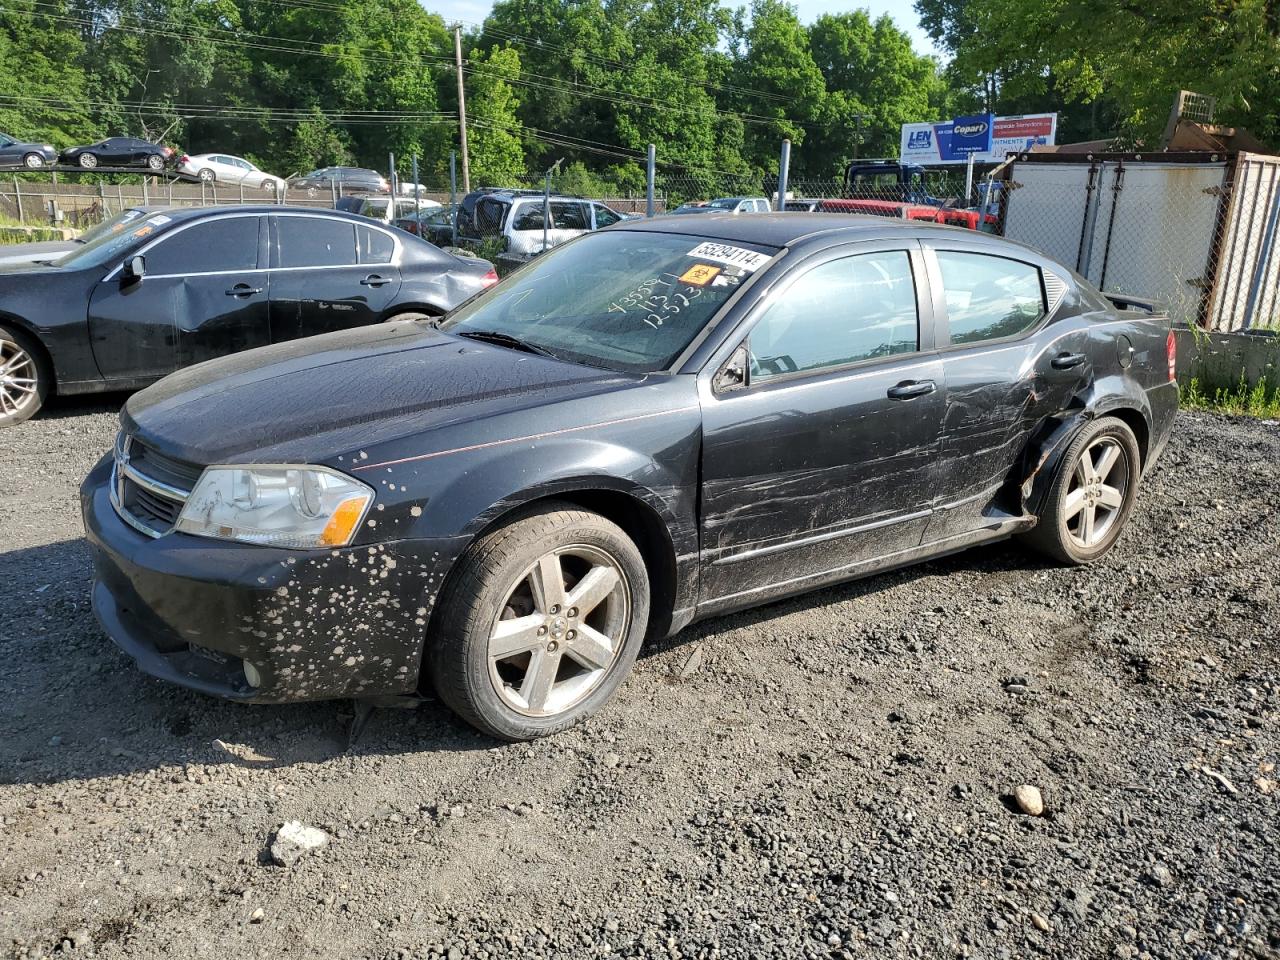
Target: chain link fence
[{"x": 1199, "y": 233}]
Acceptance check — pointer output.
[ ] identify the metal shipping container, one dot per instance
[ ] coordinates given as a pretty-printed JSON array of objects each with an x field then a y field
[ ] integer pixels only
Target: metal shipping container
[{"x": 1196, "y": 231}]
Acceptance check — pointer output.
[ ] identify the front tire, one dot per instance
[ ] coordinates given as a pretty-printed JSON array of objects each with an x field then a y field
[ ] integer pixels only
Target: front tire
[
  {"x": 540, "y": 623},
  {"x": 87, "y": 161},
  {"x": 1092, "y": 495},
  {"x": 33, "y": 161},
  {"x": 25, "y": 378}
]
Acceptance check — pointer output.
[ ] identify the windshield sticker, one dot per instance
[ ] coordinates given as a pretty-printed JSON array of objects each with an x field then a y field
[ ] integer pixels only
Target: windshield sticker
[
  {"x": 699, "y": 275},
  {"x": 748, "y": 260},
  {"x": 158, "y": 220},
  {"x": 144, "y": 231}
]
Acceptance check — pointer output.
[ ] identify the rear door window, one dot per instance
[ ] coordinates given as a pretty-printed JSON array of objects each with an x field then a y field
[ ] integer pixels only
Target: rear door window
[
  {"x": 375, "y": 246},
  {"x": 989, "y": 297},
  {"x": 316, "y": 242}
]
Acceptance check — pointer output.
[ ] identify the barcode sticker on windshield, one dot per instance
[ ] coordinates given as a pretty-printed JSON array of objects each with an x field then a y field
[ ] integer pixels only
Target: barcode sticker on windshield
[{"x": 748, "y": 260}]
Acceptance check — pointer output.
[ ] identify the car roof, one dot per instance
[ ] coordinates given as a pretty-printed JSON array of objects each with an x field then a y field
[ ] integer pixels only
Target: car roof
[
  {"x": 197, "y": 213},
  {"x": 777, "y": 229}
]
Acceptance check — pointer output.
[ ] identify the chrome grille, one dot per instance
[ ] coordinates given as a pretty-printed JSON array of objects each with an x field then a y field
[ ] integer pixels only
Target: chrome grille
[{"x": 148, "y": 489}]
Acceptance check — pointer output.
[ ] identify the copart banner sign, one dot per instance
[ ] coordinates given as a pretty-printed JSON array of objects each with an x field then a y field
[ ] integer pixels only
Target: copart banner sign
[{"x": 934, "y": 143}]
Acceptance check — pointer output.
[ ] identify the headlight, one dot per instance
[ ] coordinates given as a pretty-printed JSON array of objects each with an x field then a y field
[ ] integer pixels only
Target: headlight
[{"x": 280, "y": 506}]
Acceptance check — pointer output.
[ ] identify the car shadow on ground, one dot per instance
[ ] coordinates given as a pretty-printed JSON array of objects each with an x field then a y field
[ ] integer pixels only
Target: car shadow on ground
[
  {"x": 81, "y": 405},
  {"x": 75, "y": 707}
]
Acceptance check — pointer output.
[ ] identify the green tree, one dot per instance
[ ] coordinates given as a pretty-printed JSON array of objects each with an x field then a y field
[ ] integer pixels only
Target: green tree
[
  {"x": 497, "y": 157},
  {"x": 42, "y": 81},
  {"x": 778, "y": 80},
  {"x": 875, "y": 82}
]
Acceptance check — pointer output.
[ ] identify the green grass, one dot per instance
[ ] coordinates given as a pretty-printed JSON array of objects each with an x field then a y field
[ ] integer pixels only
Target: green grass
[{"x": 1239, "y": 399}]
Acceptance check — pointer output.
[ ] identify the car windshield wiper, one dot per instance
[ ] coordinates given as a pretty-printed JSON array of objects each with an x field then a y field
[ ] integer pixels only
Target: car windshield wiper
[{"x": 507, "y": 340}]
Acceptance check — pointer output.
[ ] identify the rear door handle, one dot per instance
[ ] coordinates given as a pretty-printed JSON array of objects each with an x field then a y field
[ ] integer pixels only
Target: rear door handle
[
  {"x": 373, "y": 280},
  {"x": 909, "y": 389},
  {"x": 1065, "y": 361},
  {"x": 243, "y": 290}
]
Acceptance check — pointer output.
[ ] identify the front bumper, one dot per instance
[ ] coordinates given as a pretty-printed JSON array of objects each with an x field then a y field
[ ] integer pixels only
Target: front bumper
[{"x": 315, "y": 625}]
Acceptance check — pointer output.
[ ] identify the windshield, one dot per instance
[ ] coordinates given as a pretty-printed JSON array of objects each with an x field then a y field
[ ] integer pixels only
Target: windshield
[
  {"x": 113, "y": 242},
  {"x": 726, "y": 203},
  {"x": 115, "y": 224},
  {"x": 623, "y": 300}
]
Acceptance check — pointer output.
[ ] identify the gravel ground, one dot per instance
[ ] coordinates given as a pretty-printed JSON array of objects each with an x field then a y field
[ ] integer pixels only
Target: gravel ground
[{"x": 830, "y": 776}]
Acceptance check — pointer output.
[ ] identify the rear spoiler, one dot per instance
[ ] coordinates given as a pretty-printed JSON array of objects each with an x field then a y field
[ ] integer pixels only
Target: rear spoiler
[{"x": 1122, "y": 301}]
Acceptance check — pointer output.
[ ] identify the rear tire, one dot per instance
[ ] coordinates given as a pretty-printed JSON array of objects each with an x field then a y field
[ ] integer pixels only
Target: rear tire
[
  {"x": 540, "y": 622},
  {"x": 207, "y": 176},
  {"x": 25, "y": 377},
  {"x": 1092, "y": 495},
  {"x": 155, "y": 162}
]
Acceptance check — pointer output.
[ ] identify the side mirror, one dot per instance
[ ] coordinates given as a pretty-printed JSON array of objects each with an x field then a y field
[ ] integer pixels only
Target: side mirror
[
  {"x": 733, "y": 375},
  {"x": 135, "y": 268}
]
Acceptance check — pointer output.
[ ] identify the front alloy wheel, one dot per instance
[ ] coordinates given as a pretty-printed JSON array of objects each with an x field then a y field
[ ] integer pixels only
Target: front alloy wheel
[
  {"x": 560, "y": 631},
  {"x": 88, "y": 161},
  {"x": 21, "y": 386},
  {"x": 33, "y": 161},
  {"x": 540, "y": 622}
]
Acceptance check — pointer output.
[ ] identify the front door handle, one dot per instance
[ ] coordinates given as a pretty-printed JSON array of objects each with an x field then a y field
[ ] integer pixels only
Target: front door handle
[
  {"x": 909, "y": 389},
  {"x": 1065, "y": 361},
  {"x": 373, "y": 280},
  {"x": 243, "y": 290}
]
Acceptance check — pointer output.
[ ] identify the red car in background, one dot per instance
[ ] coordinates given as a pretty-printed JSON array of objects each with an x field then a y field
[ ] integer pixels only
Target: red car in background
[{"x": 969, "y": 219}]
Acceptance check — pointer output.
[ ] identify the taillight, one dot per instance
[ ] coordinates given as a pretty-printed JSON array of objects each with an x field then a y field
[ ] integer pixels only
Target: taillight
[
  {"x": 490, "y": 278},
  {"x": 1171, "y": 352},
  {"x": 184, "y": 159}
]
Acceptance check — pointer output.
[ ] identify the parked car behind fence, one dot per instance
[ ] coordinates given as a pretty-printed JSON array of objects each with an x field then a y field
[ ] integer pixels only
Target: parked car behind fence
[{"x": 176, "y": 288}]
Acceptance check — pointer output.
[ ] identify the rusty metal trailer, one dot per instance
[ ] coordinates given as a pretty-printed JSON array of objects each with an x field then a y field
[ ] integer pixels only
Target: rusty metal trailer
[{"x": 1197, "y": 231}]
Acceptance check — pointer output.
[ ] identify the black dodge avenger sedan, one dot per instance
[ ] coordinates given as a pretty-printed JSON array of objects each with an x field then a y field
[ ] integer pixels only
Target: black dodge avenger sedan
[
  {"x": 165, "y": 289},
  {"x": 666, "y": 420}
]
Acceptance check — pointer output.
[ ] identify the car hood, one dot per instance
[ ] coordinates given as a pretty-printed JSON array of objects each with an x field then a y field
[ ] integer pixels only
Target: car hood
[
  {"x": 309, "y": 401},
  {"x": 30, "y": 252}
]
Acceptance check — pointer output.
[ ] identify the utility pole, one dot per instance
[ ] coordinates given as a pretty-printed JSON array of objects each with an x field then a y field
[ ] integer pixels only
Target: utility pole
[{"x": 462, "y": 110}]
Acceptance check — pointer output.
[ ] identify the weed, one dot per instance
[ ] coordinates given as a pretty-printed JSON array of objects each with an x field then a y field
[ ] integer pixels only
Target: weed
[{"x": 1239, "y": 399}]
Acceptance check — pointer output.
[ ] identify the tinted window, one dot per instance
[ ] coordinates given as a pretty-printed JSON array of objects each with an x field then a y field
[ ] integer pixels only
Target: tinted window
[
  {"x": 856, "y": 308},
  {"x": 489, "y": 215},
  {"x": 375, "y": 246},
  {"x": 989, "y": 297},
  {"x": 227, "y": 244},
  {"x": 605, "y": 217},
  {"x": 316, "y": 242}
]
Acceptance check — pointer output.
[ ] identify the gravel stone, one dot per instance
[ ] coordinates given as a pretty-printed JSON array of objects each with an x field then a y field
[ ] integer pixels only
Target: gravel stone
[{"x": 765, "y": 805}]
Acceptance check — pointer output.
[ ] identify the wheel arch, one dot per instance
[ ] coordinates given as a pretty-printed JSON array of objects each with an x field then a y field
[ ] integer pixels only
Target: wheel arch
[
  {"x": 619, "y": 503},
  {"x": 431, "y": 309},
  {"x": 1044, "y": 454}
]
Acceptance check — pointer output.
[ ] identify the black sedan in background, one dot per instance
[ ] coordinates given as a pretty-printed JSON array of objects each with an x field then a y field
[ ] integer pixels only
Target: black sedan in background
[
  {"x": 171, "y": 289},
  {"x": 119, "y": 152},
  {"x": 24, "y": 153},
  {"x": 661, "y": 421},
  {"x": 346, "y": 179}
]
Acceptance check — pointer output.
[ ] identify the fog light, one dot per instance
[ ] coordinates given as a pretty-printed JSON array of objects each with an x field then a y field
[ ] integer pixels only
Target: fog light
[{"x": 252, "y": 675}]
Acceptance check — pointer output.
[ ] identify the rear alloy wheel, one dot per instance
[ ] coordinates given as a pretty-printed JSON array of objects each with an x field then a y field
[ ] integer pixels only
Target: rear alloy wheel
[
  {"x": 207, "y": 175},
  {"x": 23, "y": 381},
  {"x": 1092, "y": 495},
  {"x": 541, "y": 623},
  {"x": 33, "y": 161},
  {"x": 88, "y": 161},
  {"x": 155, "y": 162}
]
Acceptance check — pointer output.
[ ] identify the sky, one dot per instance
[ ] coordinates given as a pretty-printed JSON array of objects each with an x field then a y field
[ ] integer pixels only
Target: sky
[{"x": 474, "y": 11}]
